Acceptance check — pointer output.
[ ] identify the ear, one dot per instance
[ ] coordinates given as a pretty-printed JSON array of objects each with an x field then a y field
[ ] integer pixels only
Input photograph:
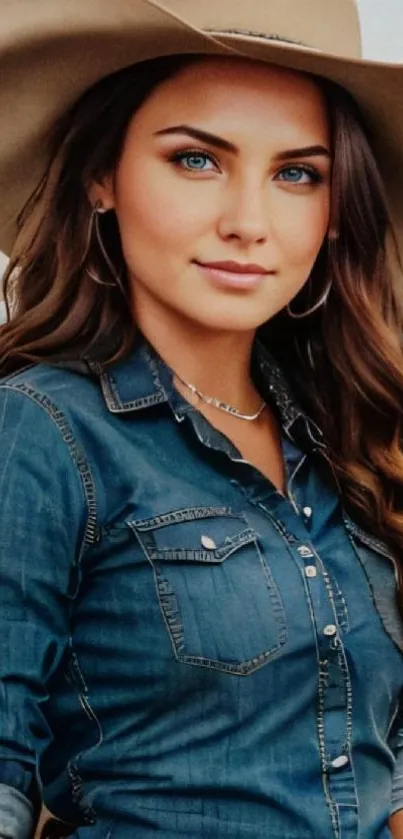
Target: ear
[{"x": 103, "y": 192}]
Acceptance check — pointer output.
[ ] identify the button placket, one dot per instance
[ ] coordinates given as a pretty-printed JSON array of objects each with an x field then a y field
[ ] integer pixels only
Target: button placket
[
  {"x": 305, "y": 551},
  {"x": 310, "y": 570},
  {"x": 333, "y": 714},
  {"x": 334, "y": 705}
]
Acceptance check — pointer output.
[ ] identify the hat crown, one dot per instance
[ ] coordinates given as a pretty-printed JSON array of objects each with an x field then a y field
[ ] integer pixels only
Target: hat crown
[{"x": 331, "y": 26}]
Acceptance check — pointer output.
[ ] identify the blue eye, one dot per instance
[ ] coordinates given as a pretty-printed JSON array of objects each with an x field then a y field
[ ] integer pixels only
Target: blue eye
[
  {"x": 193, "y": 161},
  {"x": 299, "y": 175}
]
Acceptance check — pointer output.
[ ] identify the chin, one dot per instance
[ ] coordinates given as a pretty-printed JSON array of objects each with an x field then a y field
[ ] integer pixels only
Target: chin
[{"x": 229, "y": 324}]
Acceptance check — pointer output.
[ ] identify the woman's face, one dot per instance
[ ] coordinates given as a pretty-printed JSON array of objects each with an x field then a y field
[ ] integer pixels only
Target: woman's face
[{"x": 227, "y": 162}]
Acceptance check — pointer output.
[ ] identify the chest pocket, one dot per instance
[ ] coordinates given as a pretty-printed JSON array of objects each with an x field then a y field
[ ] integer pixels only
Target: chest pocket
[
  {"x": 379, "y": 565},
  {"x": 218, "y": 598}
]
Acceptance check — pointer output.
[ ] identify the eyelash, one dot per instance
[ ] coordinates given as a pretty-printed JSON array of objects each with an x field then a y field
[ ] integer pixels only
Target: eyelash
[{"x": 178, "y": 158}]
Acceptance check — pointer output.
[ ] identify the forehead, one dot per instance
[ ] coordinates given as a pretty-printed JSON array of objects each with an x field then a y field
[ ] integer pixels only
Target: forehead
[{"x": 221, "y": 89}]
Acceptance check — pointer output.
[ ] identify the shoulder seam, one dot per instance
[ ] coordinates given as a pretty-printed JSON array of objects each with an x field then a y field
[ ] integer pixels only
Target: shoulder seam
[{"x": 91, "y": 534}]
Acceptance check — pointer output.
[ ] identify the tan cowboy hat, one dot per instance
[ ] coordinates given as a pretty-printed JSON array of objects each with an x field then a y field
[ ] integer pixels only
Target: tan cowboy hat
[{"x": 50, "y": 52}]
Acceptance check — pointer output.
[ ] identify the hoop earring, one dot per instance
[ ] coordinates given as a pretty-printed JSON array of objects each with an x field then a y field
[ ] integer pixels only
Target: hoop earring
[
  {"x": 322, "y": 300},
  {"x": 97, "y": 210},
  {"x": 309, "y": 352}
]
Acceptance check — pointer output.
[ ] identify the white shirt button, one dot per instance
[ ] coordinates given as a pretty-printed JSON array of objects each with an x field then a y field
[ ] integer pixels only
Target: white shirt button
[
  {"x": 208, "y": 543},
  {"x": 340, "y": 761},
  {"x": 307, "y": 511},
  {"x": 304, "y": 551},
  {"x": 310, "y": 571},
  {"x": 330, "y": 630}
]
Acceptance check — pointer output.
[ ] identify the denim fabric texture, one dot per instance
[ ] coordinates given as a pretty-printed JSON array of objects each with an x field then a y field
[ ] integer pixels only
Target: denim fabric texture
[{"x": 184, "y": 652}]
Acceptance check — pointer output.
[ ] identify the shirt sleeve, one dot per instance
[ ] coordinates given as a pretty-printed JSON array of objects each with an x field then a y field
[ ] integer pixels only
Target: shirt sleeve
[
  {"x": 397, "y": 748},
  {"x": 16, "y": 814},
  {"x": 43, "y": 516}
]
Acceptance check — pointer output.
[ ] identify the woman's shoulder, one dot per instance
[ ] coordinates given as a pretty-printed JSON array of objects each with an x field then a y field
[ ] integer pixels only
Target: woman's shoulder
[
  {"x": 45, "y": 411},
  {"x": 66, "y": 386},
  {"x": 45, "y": 464},
  {"x": 52, "y": 406}
]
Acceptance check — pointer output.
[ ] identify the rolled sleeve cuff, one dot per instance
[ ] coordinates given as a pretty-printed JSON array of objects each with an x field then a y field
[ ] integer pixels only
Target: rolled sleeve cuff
[
  {"x": 397, "y": 786},
  {"x": 16, "y": 814}
]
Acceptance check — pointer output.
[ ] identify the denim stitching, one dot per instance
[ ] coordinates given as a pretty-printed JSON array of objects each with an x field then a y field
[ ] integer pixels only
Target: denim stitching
[
  {"x": 372, "y": 542},
  {"x": 242, "y": 669},
  {"x": 340, "y": 607},
  {"x": 342, "y": 663},
  {"x": 116, "y": 406},
  {"x": 332, "y": 600},
  {"x": 176, "y": 635},
  {"x": 323, "y": 677},
  {"x": 76, "y": 678},
  {"x": 185, "y": 515},
  {"x": 89, "y": 538},
  {"x": 74, "y": 674},
  {"x": 77, "y": 794},
  {"x": 90, "y": 713},
  {"x": 209, "y": 557},
  {"x": 153, "y": 367},
  {"x": 293, "y": 475},
  {"x": 322, "y": 684},
  {"x": 111, "y": 393},
  {"x": 387, "y": 625},
  {"x": 91, "y": 534},
  {"x": 171, "y": 617},
  {"x": 170, "y": 610},
  {"x": 349, "y": 698},
  {"x": 275, "y": 599},
  {"x": 278, "y": 525},
  {"x": 287, "y": 404}
]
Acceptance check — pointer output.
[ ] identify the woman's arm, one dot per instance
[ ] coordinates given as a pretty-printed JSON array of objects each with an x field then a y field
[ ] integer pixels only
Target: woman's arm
[
  {"x": 396, "y": 824},
  {"x": 396, "y": 819},
  {"x": 42, "y": 517}
]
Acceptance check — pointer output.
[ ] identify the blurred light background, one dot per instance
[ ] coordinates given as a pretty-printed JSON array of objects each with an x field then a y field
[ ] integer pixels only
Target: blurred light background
[
  {"x": 382, "y": 34},
  {"x": 382, "y": 29}
]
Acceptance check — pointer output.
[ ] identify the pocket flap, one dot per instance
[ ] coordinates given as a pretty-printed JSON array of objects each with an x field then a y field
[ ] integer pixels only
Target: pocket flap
[{"x": 202, "y": 534}]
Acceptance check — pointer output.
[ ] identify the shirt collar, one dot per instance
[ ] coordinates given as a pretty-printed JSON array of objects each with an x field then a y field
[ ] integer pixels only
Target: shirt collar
[
  {"x": 143, "y": 380},
  {"x": 275, "y": 388}
]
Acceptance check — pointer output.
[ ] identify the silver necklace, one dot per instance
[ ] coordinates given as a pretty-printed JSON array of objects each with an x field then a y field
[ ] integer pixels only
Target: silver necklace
[{"x": 222, "y": 406}]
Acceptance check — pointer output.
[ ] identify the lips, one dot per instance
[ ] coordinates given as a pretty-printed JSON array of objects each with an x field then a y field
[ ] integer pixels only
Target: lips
[
  {"x": 233, "y": 276},
  {"x": 235, "y": 267}
]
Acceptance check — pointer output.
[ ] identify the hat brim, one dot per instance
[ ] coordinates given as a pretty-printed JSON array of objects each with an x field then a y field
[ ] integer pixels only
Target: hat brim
[{"x": 45, "y": 68}]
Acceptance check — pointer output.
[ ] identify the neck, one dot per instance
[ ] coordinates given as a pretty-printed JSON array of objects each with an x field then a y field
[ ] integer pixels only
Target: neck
[{"x": 216, "y": 363}]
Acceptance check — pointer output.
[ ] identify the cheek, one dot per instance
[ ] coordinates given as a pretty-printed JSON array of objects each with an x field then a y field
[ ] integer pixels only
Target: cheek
[
  {"x": 301, "y": 232},
  {"x": 152, "y": 213}
]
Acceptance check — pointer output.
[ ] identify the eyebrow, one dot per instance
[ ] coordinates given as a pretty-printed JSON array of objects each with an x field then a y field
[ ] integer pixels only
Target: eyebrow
[{"x": 225, "y": 145}]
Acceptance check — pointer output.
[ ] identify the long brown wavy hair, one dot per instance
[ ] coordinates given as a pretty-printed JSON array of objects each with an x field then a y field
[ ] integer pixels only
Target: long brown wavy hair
[{"x": 345, "y": 361}]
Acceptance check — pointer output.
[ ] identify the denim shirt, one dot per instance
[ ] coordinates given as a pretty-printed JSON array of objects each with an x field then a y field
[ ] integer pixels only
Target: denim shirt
[{"x": 183, "y": 650}]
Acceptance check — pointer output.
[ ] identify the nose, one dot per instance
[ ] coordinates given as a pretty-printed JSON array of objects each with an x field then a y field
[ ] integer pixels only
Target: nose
[{"x": 245, "y": 213}]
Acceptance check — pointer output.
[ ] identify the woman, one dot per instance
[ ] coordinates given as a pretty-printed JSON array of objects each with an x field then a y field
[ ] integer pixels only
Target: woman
[{"x": 200, "y": 454}]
